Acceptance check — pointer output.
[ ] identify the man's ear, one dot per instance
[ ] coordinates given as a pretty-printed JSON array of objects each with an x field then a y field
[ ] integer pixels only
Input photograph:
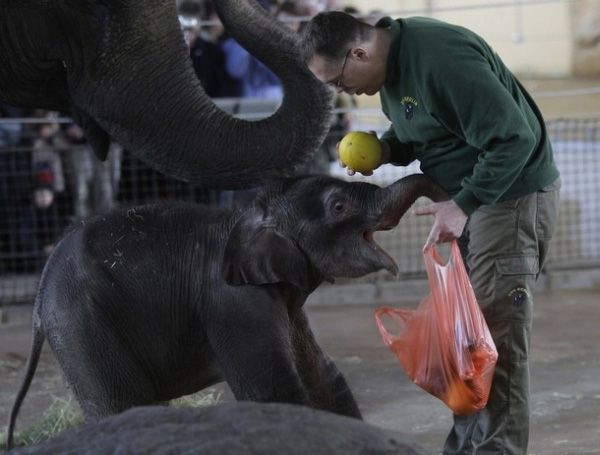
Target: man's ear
[
  {"x": 360, "y": 53},
  {"x": 256, "y": 253}
]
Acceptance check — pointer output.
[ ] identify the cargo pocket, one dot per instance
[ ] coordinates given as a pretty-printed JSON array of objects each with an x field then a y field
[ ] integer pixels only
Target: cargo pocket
[{"x": 515, "y": 281}]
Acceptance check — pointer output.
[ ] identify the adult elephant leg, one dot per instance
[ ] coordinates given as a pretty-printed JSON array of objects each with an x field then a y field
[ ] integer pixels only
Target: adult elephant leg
[{"x": 326, "y": 385}]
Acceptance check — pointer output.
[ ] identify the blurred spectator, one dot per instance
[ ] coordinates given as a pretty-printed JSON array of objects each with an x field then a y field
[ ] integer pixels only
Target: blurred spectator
[
  {"x": 14, "y": 165},
  {"x": 333, "y": 5},
  {"x": 206, "y": 52},
  {"x": 10, "y": 133},
  {"x": 289, "y": 13},
  {"x": 40, "y": 224},
  {"x": 311, "y": 7},
  {"x": 43, "y": 221},
  {"x": 43, "y": 152},
  {"x": 257, "y": 80},
  {"x": 14, "y": 187},
  {"x": 93, "y": 183},
  {"x": 36, "y": 216}
]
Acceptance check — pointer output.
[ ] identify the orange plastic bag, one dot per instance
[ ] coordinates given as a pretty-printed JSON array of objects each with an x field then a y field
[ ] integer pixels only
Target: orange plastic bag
[{"x": 445, "y": 345}]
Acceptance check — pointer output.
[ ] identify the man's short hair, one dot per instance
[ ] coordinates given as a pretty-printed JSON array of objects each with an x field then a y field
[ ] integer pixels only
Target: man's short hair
[{"x": 330, "y": 34}]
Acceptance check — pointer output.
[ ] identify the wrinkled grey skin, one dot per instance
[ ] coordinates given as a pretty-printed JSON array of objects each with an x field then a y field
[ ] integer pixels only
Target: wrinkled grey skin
[
  {"x": 144, "y": 305},
  {"x": 228, "y": 429},
  {"x": 122, "y": 69}
]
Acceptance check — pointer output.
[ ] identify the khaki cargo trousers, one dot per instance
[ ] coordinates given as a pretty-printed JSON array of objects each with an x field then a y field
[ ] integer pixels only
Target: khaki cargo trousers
[{"x": 504, "y": 247}]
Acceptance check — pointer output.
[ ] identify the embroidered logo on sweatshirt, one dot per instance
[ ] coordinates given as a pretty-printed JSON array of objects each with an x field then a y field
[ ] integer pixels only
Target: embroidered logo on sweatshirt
[{"x": 410, "y": 104}]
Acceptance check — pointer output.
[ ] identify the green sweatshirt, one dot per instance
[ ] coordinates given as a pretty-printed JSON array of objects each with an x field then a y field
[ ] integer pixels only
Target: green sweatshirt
[{"x": 456, "y": 108}]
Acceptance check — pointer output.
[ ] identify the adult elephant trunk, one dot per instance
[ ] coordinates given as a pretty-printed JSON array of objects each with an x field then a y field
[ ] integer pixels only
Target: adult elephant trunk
[
  {"x": 394, "y": 200},
  {"x": 137, "y": 84}
]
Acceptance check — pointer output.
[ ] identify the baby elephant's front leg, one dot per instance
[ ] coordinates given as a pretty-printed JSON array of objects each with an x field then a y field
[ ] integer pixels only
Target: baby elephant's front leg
[
  {"x": 326, "y": 385},
  {"x": 253, "y": 349}
]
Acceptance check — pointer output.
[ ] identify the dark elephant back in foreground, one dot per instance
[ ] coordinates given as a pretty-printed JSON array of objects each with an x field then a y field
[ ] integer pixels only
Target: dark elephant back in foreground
[{"x": 228, "y": 429}]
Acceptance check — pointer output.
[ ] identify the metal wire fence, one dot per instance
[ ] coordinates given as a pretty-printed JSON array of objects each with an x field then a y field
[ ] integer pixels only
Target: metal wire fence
[{"x": 45, "y": 188}]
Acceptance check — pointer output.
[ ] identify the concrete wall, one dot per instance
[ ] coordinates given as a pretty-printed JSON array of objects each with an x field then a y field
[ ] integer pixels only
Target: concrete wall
[
  {"x": 532, "y": 39},
  {"x": 586, "y": 26}
]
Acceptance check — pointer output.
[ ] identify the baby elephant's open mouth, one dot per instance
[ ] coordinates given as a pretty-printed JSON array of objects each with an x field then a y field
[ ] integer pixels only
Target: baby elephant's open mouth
[{"x": 387, "y": 261}]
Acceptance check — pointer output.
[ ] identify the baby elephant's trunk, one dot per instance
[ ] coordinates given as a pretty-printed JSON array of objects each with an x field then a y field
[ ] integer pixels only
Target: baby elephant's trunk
[{"x": 395, "y": 199}]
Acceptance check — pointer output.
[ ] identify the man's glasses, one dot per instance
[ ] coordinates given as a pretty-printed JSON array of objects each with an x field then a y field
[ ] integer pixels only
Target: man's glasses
[{"x": 338, "y": 82}]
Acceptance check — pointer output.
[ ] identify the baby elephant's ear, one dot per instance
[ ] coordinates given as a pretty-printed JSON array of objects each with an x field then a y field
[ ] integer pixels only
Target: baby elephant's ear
[{"x": 257, "y": 253}]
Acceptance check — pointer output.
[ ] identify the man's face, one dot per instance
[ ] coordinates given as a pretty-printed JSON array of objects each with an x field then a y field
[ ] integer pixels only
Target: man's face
[{"x": 353, "y": 75}]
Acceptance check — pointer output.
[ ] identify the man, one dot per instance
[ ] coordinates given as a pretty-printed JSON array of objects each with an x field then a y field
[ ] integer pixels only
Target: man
[{"x": 456, "y": 108}]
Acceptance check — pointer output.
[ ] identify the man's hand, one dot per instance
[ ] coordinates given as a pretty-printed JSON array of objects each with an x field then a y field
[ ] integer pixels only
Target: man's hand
[
  {"x": 385, "y": 157},
  {"x": 448, "y": 224}
]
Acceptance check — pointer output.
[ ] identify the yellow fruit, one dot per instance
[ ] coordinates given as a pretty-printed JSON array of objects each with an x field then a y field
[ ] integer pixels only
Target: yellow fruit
[{"x": 360, "y": 151}]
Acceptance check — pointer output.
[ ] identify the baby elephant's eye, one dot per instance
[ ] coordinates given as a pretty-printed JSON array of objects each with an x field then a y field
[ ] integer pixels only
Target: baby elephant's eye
[{"x": 339, "y": 206}]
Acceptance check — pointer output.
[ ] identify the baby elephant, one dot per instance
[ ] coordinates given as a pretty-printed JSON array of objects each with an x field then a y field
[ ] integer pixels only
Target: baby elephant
[{"x": 147, "y": 304}]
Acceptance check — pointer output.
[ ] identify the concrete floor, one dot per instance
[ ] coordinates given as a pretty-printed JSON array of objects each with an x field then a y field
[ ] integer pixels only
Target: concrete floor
[{"x": 565, "y": 372}]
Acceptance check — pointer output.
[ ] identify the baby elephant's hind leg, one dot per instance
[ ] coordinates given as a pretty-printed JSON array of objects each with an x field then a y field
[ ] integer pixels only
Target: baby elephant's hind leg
[{"x": 104, "y": 379}]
